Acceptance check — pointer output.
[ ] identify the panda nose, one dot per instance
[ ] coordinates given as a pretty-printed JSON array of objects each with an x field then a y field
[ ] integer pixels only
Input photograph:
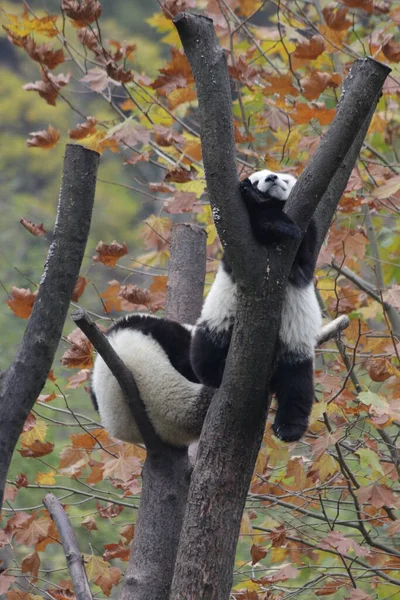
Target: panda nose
[{"x": 271, "y": 178}]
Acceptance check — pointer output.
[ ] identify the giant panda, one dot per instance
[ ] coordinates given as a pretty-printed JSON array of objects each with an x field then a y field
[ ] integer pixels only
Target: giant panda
[
  {"x": 264, "y": 194},
  {"x": 157, "y": 353}
]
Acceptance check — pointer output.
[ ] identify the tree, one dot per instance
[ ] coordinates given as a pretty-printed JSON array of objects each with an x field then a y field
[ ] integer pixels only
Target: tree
[{"x": 223, "y": 469}]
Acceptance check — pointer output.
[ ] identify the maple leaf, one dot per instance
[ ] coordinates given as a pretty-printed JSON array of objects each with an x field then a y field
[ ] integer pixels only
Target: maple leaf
[
  {"x": 336, "y": 539},
  {"x": 49, "y": 86},
  {"x": 37, "y": 433},
  {"x": 118, "y": 73},
  {"x": 37, "y": 230},
  {"x": 21, "y": 480},
  {"x": 129, "y": 133},
  {"x": 83, "y": 440},
  {"x": 72, "y": 460},
  {"x": 21, "y": 302},
  {"x": 30, "y": 564},
  {"x": 257, "y": 553},
  {"x": 378, "y": 369},
  {"x": 97, "y": 79},
  {"x": 181, "y": 202},
  {"x": 388, "y": 189},
  {"x": 46, "y": 478},
  {"x": 367, "y": 5},
  {"x": 127, "y": 532},
  {"x": 181, "y": 175},
  {"x": 90, "y": 524},
  {"x": 278, "y": 536},
  {"x": 336, "y": 19},
  {"x": 109, "y": 254},
  {"x": 123, "y": 49},
  {"x": 122, "y": 467},
  {"x": 81, "y": 352},
  {"x": 31, "y": 532},
  {"x": 282, "y": 574},
  {"x": 46, "y": 138},
  {"x": 156, "y": 232},
  {"x": 107, "y": 579},
  {"x": 23, "y": 25},
  {"x": 180, "y": 96},
  {"x": 244, "y": 73},
  {"x": 47, "y": 397},
  {"x": 378, "y": 496},
  {"x": 280, "y": 84},
  {"x": 82, "y": 130},
  {"x": 357, "y": 594},
  {"x": 135, "y": 295},
  {"x": 76, "y": 380},
  {"x": 5, "y": 580},
  {"x": 37, "y": 449},
  {"x": 90, "y": 39},
  {"x": 165, "y": 136},
  {"x": 392, "y": 296},
  {"x": 81, "y": 13},
  {"x": 316, "y": 82},
  {"x": 116, "y": 551},
  {"x": 310, "y": 49},
  {"x": 177, "y": 74},
  {"x": 44, "y": 54}
]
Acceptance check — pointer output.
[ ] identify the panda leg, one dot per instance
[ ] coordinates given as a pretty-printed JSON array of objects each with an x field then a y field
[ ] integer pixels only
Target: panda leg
[
  {"x": 208, "y": 352},
  {"x": 293, "y": 385}
]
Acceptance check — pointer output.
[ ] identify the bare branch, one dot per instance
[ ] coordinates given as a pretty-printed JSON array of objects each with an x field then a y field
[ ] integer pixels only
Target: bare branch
[
  {"x": 124, "y": 377},
  {"x": 186, "y": 273},
  {"x": 71, "y": 550},
  {"x": 333, "y": 329},
  {"x": 27, "y": 375}
]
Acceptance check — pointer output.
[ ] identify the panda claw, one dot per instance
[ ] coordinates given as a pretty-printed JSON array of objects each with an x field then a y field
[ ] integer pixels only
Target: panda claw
[{"x": 290, "y": 432}]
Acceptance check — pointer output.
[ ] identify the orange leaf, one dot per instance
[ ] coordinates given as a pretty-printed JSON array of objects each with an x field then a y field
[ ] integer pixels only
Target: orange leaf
[
  {"x": 36, "y": 230},
  {"x": 30, "y": 564},
  {"x": 37, "y": 449},
  {"x": 336, "y": 19},
  {"x": 79, "y": 288},
  {"x": 81, "y": 13},
  {"x": 177, "y": 74},
  {"x": 80, "y": 354},
  {"x": 180, "y": 96},
  {"x": 280, "y": 84},
  {"x": 109, "y": 254},
  {"x": 367, "y": 5},
  {"x": 257, "y": 553},
  {"x": 392, "y": 51},
  {"x": 21, "y": 302},
  {"x": 49, "y": 86},
  {"x": 47, "y": 138},
  {"x": 82, "y": 130}
]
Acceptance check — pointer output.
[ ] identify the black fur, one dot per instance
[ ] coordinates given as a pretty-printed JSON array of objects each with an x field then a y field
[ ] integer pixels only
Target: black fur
[{"x": 292, "y": 381}]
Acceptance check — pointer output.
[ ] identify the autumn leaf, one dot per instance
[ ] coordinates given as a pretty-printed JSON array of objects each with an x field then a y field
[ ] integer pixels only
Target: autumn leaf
[
  {"x": 44, "y": 54},
  {"x": 128, "y": 532},
  {"x": 357, "y": 594},
  {"x": 177, "y": 74},
  {"x": 24, "y": 25},
  {"x": 46, "y": 479},
  {"x": 118, "y": 73},
  {"x": 336, "y": 19},
  {"x": 81, "y": 13},
  {"x": 378, "y": 496},
  {"x": 37, "y": 449},
  {"x": 156, "y": 232},
  {"x": 100, "y": 572},
  {"x": 109, "y": 254},
  {"x": 336, "y": 539},
  {"x": 82, "y": 130},
  {"x": 72, "y": 460},
  {"x": 180, "y": 202},
  {"x": 21, "y": 480},
  {"x": 90, "y": 524},
  {"x": 180, "y": 96},
  {"x": 30, "y": 564},
  {"x": 122, "y": 49},
  {"x": 129, "y": 133},
  {"x": 33, "y": 434},
  {"x": 392, "y": 296},
  {"x": 388, "y": 189},
  {"x": 83, "y": 440},
  {"x": 80, "y": 354},
  {"x": 282, "y": 574},
  {"x": 37, "y": 230},
  {"x": 21, "y": 302},
  {"x": 278, "y": 536},
  {"x": 47, "y": 138},
  {"x": 32, "y": 531},
  {"x": 280, "y": 84},
  {"x": 97, "y": 79},
  {"x": 135, "y": 295},
  {"x": 49, "y": 86},
  {"x": 367, "y": 5},
  {"x": 78, "y": 379},
  {"x": 116, "y": 551},
  {"x": 181, "y": 175},
  {"x": 316, "y": 82},
  {"x": 257, "y": 553},
  {"x": 5, "y": 579},
  {"x": 310, "y": 49}
]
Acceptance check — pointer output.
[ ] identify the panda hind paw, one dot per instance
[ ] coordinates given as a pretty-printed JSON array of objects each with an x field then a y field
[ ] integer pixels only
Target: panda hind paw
[{"x": 290, "y": 432}]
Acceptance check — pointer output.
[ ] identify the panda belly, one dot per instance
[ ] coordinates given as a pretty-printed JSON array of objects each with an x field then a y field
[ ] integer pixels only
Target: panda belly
[{"x": 301, "y": 320}]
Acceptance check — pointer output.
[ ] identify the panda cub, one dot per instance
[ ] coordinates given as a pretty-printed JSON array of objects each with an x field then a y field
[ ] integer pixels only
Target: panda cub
[
  {"x": 157, "y": 352},
  {"x": 264, "y": 194}
]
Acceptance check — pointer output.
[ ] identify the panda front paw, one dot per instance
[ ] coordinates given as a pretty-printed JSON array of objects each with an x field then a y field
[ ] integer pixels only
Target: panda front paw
[
  {"x": 249, "y": 192},
  {"x": 290, "y": 432}
]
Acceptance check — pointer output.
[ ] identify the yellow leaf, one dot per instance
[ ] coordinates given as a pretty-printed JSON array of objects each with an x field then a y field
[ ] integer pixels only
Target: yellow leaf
[
  {"x": 46, "y": 478},
  {"x": 326, "y": 466},
  {"x": 211, "y": 234},
  {"x": 163, "y": 25},
  {"x": 38, "y": 432},
  {"x": 23, "y": 25},
  {"x": 318, "y": 410}
]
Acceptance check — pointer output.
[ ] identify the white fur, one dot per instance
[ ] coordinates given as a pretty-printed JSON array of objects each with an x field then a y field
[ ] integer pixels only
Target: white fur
[
  {"x": 279, "y": 189},
  {"x": 170, "y": 399},
  {"x": 301, "y": 319},
  {"x": 219, "y": 308}
]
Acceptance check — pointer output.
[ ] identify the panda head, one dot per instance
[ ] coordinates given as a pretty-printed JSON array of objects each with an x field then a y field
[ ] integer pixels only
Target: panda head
[{"x": 272, "y": 185}]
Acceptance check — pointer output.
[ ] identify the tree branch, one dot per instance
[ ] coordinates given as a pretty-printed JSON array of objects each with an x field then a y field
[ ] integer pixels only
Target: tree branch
[
  {"x": 186, "y": 273},
  {"x": 234, "y": 424},
  {"x": 27, "y": 375},
  {"x": 332, "y": 329},
  {"x": 71, "y": 549},
  {"x": 124, "y": 377}
]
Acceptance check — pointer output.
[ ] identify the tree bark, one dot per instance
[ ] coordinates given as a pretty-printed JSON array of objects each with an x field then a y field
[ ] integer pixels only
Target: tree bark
[
  {"x": 235, "y": 422},
  {"x": 187, "y": 267},
  {"x": 166, "y": 474},
  {"x": 27, "y": 375}
]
